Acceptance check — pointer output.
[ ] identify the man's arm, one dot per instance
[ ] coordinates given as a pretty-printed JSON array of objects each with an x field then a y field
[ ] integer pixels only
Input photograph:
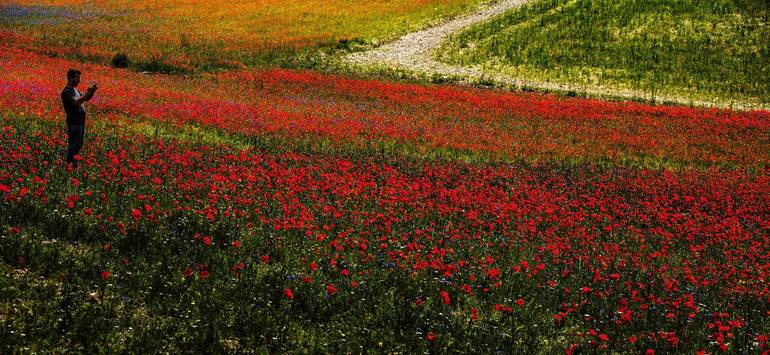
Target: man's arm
[{"x": 87, "y": 96}]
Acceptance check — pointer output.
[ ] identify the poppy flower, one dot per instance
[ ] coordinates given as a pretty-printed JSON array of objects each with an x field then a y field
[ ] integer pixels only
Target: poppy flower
[
  {"x": 474, "y": 313},
  {"x": 445, "y": 299},
  {"x": 431, "y": 336}
]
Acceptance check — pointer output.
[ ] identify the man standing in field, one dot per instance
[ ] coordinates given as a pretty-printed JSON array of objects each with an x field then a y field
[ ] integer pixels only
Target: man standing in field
[{"x": 73, "y": 100}]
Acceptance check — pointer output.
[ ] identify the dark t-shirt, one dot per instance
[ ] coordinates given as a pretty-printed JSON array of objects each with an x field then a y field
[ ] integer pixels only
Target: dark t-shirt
[{"x": 76, "y": 114}]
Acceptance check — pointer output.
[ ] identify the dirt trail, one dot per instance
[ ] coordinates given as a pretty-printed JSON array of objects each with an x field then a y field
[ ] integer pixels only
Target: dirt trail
[{"x": 415, "y": 52}]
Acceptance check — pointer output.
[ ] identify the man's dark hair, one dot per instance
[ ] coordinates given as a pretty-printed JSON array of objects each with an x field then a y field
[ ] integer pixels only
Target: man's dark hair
[{"x": 72, "y": 73}]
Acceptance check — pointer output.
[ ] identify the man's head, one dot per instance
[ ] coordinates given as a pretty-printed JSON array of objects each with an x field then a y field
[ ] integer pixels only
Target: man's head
[{"x": 73, "y": 77}]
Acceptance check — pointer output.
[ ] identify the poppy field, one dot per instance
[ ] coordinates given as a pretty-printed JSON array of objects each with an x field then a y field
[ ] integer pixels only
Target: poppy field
[
  {"x": 290, "y": 211},
  {"x": 188, "y": 36}
]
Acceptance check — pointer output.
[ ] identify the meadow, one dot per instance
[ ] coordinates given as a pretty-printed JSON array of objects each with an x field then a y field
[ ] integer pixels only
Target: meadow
[
  {"x": 275, "y": 210},
  {"x": 715, "y": 50},
  {"x": 189, "y": 36},
  {"x": 262, "y": 222}
]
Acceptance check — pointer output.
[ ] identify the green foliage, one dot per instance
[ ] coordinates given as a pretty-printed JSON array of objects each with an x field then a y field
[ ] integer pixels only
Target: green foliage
[{"x": 698, "y": 49}]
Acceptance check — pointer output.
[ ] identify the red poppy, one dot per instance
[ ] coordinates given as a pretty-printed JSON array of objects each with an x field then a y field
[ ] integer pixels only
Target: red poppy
[
  {"x": 474, "y": 313},
  {"x": 445, "y": 297}
]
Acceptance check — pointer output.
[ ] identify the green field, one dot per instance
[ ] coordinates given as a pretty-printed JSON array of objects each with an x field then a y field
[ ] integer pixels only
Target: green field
[{"x": 717, "y": 50}]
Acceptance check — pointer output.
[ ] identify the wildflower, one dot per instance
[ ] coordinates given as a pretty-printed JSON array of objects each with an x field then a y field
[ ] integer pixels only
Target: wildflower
[
  {"x": 474, "y": 313},
  {"x": 330, "y": 289},
  {"x": 431, "y": 336},
  {"x": 501, "y": 308},
  {"x": 265, "y": 259},
  {"x": 207, "y": 241},
  {"x": 105, "y": 275},
  {"x": 445, "y": 297},
  {"x": 287, "y": 292},
  {"x": 235, "y": 244}
]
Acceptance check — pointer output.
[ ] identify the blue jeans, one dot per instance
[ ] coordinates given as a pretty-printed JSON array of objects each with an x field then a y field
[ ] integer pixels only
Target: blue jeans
[{"x": 74, "y": 141}]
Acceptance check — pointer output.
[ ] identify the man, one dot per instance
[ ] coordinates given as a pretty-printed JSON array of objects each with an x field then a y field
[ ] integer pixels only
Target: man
[{"x": 73, "y": 100}]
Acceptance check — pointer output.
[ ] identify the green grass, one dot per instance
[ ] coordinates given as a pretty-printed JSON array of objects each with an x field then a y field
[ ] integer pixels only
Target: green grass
[{"x": 714, "y": 50}]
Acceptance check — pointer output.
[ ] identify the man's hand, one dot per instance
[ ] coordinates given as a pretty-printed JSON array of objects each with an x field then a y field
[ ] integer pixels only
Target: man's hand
[
  {"x": 87, "y": 96},
  {"x": 90, "y": 91}
]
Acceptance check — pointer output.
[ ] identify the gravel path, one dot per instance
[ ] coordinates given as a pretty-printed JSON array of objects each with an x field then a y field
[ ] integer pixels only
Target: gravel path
[{"x": 415, "y": 52}]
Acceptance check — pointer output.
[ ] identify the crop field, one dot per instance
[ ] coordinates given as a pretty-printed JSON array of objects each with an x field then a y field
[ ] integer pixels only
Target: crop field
[
  {"x": 184, "y": 36},
  {"x": 693, "y": 49},
  {"x": 279, "y": 210}
]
